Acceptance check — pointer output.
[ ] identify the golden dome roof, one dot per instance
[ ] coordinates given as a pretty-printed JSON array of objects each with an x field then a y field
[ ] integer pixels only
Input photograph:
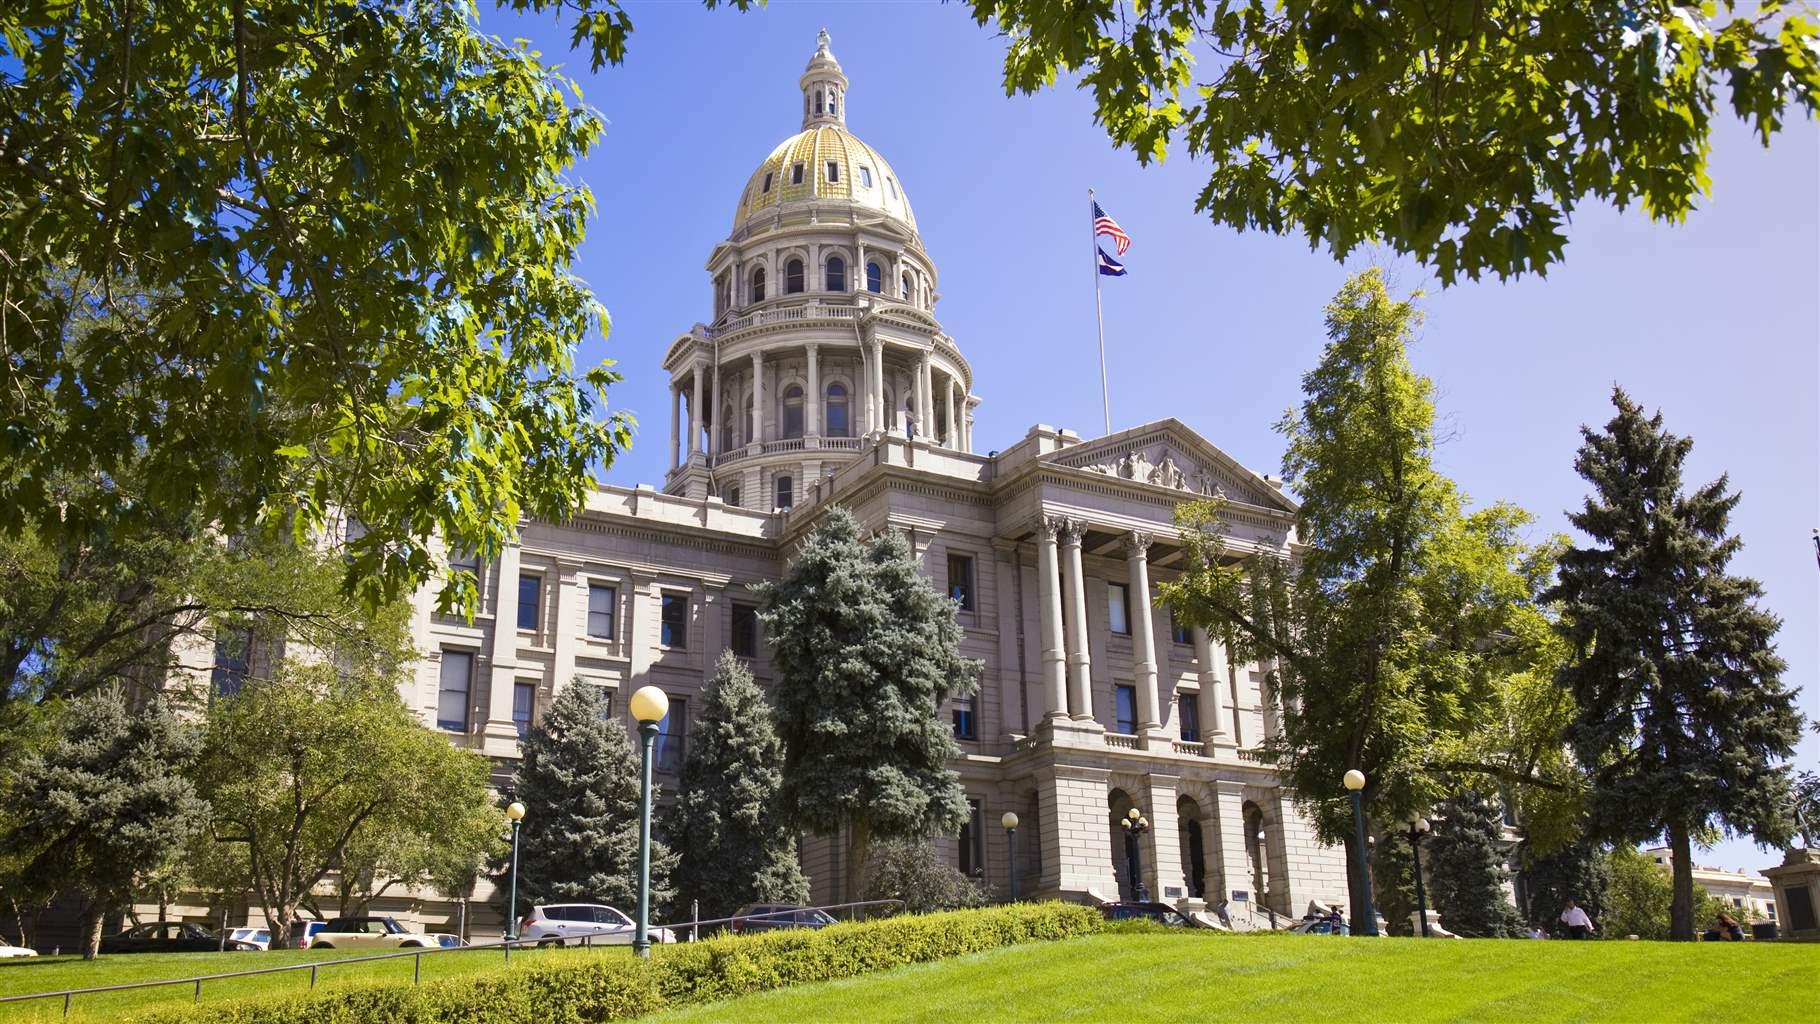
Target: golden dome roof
[{"x": 825, "y": 163}]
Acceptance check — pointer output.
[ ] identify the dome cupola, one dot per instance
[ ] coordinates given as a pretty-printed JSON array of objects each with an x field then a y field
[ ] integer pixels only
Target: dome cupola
[{"x": 824, "y": 88}]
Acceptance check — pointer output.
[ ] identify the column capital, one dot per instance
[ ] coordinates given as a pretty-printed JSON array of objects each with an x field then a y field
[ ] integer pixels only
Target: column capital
[
  {"x": 1137, "y": 543},
  {"x": 810, "y": 347}
]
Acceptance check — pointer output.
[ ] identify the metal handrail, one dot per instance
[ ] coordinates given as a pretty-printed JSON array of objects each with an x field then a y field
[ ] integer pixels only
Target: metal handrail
[{"x": 69, "y": 994}]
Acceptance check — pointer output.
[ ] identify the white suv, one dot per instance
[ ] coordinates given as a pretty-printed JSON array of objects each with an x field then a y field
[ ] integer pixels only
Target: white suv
[{"x": 576, "y": 924}]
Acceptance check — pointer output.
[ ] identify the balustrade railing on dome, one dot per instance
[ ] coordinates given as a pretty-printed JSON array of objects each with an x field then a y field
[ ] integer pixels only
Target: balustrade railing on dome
[{"x": 784, "y": 314}]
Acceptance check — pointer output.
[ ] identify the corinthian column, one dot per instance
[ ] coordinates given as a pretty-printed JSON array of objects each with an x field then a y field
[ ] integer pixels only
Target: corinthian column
[
  {"x": 1080, "y": 667},
  {"x": 1213, "y": 685},
  {"x": 1143, "y": 633},
  {"x": 1049, "y": 613}
]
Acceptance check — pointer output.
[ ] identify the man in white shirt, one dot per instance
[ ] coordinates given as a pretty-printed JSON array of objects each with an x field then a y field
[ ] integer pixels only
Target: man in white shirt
[{"x": 1579, "y": 926}]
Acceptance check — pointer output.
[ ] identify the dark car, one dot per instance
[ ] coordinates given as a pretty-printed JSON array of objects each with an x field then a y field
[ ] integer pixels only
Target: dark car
[
  {"x": 1161, "y": 913},
  {"x": 764, "y": 917},
  {"x": 167, "y": 937}
]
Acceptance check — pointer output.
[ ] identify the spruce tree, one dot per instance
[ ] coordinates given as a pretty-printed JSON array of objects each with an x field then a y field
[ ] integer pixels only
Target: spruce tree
[
  {"x": 1579, "y": 871},
  {"x": 735, "y": 844},
  {"x": 1683, "y": 717},
  {"x": 1466, "y": 872},
  {"x": 108, "y": 803},
  {"x": 1393, "y": 882},
  {"x": 578, "y": 780},
  {"x": 865, "y": 651}
]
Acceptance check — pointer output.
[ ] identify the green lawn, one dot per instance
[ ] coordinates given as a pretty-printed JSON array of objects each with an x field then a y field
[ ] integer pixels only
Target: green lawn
[
  {"x": 44, "y": 974},
  {"x": 1203, "y": 977}
]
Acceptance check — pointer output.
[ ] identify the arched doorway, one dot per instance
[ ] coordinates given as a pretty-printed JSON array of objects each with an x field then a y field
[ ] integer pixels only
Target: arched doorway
[
  {"x": 1193, "y": 846},
  {"x": 1118, "y": 802}
]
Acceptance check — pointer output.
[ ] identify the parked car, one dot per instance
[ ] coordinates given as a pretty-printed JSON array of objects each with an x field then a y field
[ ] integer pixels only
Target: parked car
[
  {"x": 448, "y": 941},
  {"x": 168, "y": 937},
  {"x": 258, "y": 938},
  {"x": 368, "y": 933},
  {"x": 12, "y": 951},
  {"x": 305, "y": 933},
  {"x": 1161, "y": 913},
  {"x": 573, "y": 924},
  {"x": 764, "y": 917}
]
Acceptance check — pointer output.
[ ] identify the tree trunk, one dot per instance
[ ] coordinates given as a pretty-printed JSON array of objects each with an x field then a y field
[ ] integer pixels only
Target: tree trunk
[
  {"x": 1357, "y": 888},
  {"x": 1681, "y": 909},
  {"x": 91, "y": 930},
  {"x": 281, "y": 921},
  {"x": 859, "y": 849}
]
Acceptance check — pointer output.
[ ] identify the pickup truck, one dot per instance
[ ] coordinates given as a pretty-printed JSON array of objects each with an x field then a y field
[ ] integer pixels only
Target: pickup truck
[{"x": 368, "y": 933}]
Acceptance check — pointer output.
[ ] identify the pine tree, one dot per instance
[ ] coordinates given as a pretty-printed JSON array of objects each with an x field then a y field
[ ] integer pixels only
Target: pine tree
[
  {"x": 578, "y": 780},
  {"x": 1580, "y": 872},
  {"x": 1393, "y": 881},
  {"x": 107, "y": 804},
  {"x": 735, "y": 845},
  {"x": 865, "y": 650},
  {"x": 1684, "y": 719},
  {"x": 1466, "y": 871}
]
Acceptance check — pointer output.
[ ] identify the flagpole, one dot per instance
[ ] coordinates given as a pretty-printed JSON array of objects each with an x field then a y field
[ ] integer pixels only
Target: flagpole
[{"x": 1099, "y": 309}]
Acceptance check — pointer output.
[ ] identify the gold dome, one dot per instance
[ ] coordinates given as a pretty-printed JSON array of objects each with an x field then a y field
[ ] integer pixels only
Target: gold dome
[{"x": 861, "y": 176}]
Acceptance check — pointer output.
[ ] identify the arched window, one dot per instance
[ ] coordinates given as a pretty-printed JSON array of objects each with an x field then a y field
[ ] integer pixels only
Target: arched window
[
  {"x": 818, "y": 101},
  {"x": 833, "y": 101},
  {"x": 837, "y": 274},
  {"x": 838, "y": 423},
  {"x": 875, "y": 278},
  {"x": 758, "y": 285},
  {"x": 785, "y": 496},
  {"x": 793, "y": 411},
  {"x": 733, "y": 497},
  {"x": 726, "y": 430},
  {"x": 905, "y": 294},
  {"x": 793, "y": 276}
]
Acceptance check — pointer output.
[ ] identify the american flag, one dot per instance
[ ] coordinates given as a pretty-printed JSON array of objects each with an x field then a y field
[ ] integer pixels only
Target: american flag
[{"x": 1104, "y": 225}]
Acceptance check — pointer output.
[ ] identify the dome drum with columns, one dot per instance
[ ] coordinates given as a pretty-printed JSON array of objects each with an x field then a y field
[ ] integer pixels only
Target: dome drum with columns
[{"x": 824, "y": 329}]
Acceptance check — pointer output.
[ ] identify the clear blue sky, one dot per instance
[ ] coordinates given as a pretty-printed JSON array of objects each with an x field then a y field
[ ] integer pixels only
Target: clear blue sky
[{"x": 1716, "y": 322}]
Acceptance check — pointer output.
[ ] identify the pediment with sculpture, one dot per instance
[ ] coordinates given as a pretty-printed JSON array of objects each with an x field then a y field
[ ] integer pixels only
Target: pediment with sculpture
[{"x": 1165, "y": 458}]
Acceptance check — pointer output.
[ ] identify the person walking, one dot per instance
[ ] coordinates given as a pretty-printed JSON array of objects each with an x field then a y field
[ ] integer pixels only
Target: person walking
[{"x": 1579, "y": 926}]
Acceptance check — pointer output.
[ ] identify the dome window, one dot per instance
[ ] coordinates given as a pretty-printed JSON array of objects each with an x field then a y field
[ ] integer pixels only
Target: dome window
[
  {"x": 793, "y": 411},
  {"x": 839, "y": 425},
  {"x": 875, "y": 278},
  {"x": 785, "y": 499},
  {"x": 766, "y": 187},
  {"x": 833, "y": 102},
  {"x": 796, "y": 174},
  {"x": 905, "y": 294},
  {"x": 758, "y": 285},
  {"x": 733, "y": 497},
  {"x": 837, "y": 274},
  {"x": 890, "y": 186},
  {"x": 793, "y": 277},
  {"x": 833, "y": 170},
  {"x": 818, "y": 101},
  {"x": 865, "y": 177}
]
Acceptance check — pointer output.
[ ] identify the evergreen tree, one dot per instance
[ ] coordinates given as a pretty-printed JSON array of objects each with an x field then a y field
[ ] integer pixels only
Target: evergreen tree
[
  {"x": 865, "y": 651},
  {"x": 1466, "y": 871},
  {"x": 1393, "y": 881},
  {"x": 735, "y": 845},
  {"x": 907, "y": 869},
  {"x": 1579, "y": 871},
  {"x": 1683, "y": 716},
  {"x": 109, "y": 803},
  {"x": 578, "y": 780}
]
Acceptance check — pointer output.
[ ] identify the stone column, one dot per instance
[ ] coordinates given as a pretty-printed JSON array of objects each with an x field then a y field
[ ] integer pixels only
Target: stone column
[
  {"x": 1213, "y": 685},
  {"x": 675, "y": 425},
  {"x": 875, "y": 385},
  {"x": 695, "y": 417},
  {"x": 1080, "y": 668},
  {"x": 813, "y": 400},
  {"x": 1143, "y": 638},
  {"x": 714, "y": 414},
  {"x": 920, "y": 385},
  {"x": 501, "y": 733},
  {"x": 758, "y": 397},
  {"x": 954, "y": 425},
  {"x": 1049, "y": 614}
]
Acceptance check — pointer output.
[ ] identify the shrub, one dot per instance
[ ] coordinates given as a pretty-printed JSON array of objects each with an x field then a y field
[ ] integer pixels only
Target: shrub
[
  {"x": 907, "y": 869},
  {"x": 610, "y": 987}
]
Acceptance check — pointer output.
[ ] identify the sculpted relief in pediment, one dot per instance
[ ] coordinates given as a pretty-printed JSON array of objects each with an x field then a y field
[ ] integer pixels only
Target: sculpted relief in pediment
[{"x": 1161, "y": 466}]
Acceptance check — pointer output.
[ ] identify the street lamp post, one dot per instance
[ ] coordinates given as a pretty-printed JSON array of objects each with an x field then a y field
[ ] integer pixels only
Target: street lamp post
[
  {"x": 1417, "y": 829},
  {"x": 1010, "y": 822},
  {"x": 649, "y": 706},
  {"x": 1135, "y": 825},
  {"x": 1355, "y": 783},
  {"x": 516, "y": 812}
]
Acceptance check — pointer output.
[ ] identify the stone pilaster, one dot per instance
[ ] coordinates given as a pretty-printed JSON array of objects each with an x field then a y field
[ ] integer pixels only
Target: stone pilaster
[
  {"x": 814, "y": 404},
  {"x": 500, "y": 732}
]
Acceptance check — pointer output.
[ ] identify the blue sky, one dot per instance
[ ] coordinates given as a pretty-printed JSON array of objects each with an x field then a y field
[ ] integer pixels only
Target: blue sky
[{"x": 1716, "y": 321}]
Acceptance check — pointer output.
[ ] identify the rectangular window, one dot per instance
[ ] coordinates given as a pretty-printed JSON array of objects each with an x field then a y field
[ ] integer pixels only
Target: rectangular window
[
  {"x": 668, "y": 750},
  {"x": 766, "y": 187},
  {"x": 745, "y": 630},
  {"x": 233, "y": 657},
  {"x": 1178, "y": 632},
  {"x": 452, "y": 692},
  {"x": 530, "y": 591},
  {"x": 466, "y": 561},
  {"x": 602, "y": 602},
  {"x": 674, "y": 629},
  {"x": 960, "y": 581},
  {"x": 833, "y": 170},
  {"x": 963, "y": 719},
  {"x": 786, "y": 497},
  {"x": 1190, "y": 704},
  {"x": 606, "y": 702},
  {"x": 1118, "y": 608},
  {"x": 1127, "y": 710},
  {"x": 796, "y": 174},
  {"x": 973, "y": 842},
  {"x": 865, "y": 180},
  {"x": 524, "y": 701}
]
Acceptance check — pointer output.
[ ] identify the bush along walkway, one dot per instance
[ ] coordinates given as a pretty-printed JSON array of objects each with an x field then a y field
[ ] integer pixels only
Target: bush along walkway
[{"x": 618, "y": 988}]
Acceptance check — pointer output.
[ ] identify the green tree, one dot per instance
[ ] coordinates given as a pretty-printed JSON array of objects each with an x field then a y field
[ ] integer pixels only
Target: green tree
[
  {"x": 1464, "y": 134},
  {"x": 1807, "y": 808},
  {"x": 1640, "y": 896},
  {"x": 1467, "y": 870},
  {"x": 321, "y": 761},
  {"x": 735, "y": 843},
  {"x": 109, "y": 803},
  {"x": 578, "y": 780},
  {"x": 907, "y": 869},
  {"x": 865, "y": 651},
  {"x": 1579, "y": 871},
  {"x": 1393, "y": 881},
  {"x": 1683, "y": 717},
  {"x": 1389, "y": 638}
]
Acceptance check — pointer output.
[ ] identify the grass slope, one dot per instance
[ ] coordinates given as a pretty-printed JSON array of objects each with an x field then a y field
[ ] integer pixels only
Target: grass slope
[
  {"x": 1205, "y": 977},
  {"x": 44, "y": 974}
]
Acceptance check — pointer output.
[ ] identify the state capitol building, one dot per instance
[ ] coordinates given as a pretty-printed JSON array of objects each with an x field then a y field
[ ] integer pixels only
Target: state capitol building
[{"x": 825, "y": 378}]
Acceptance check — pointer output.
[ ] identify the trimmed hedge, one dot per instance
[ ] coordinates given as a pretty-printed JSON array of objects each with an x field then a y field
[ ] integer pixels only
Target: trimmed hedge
[{"x": 612, "y": 987}]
